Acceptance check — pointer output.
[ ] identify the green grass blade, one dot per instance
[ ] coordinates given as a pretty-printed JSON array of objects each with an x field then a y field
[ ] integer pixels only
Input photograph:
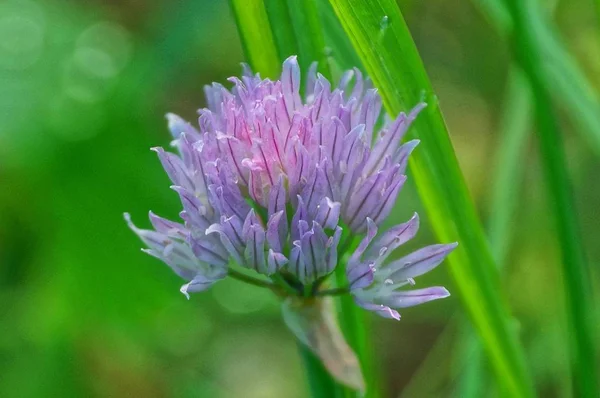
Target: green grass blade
[
  {"x": 379, "y": 34},
  {"x": 559, "y": 73},
  {"x": 257, "y": 38},
  {"x": 338, "y": 45},
  {"x": 280, "y": 21},
  {"x": 506, "y": 185},
  {"x": 320, "y": 383},
  {"x": 297, "y": 30},
  {"x": 508, "y": 176},
  {"x": 575, "y": 272}
]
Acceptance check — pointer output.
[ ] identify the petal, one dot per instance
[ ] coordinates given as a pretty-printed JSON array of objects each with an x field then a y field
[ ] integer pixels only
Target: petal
[
  {"x": 359, "y": 276},
  {"x": 402, "y": 154},
  {"x": 356, "y": 257},
  {"x": 381, "y": 310},
  {"x": 255, "y": 249},
  {"x": 386, "y": 243},
  {"x": 328, "y": 213},
  {"x": 388, "y": 199},
  {"x": 230, "y": 239},
  {"x": 199, "y": 284},
  {"x": 177, "y": 126},
  {"x": 275, "y": 261},
  {"x": 175, "y": 169},
  {"x": 275, "y": 231},
  {"x": 416, "y": 263},
  {"x": 290, "y": 82},
  {"x": 410, "y": 298},
  {"x": 168, "y": 227},
  {"x": 332, "y": 246},
  {"x": 389, "y": 139}
]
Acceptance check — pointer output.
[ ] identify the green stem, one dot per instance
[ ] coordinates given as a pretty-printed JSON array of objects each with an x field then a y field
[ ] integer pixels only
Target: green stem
[
  {"x": 320, "y": 382},
  {"x": 333, "y": 292},
  {"x": 248, "y": 279},
  {"x": 379, "y": 33},
  {"x": 507, "y": 181},
  {"x": 575, "y": 271}
]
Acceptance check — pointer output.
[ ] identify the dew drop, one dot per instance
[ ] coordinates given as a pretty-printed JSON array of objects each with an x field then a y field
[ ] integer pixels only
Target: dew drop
[
  {"x": 388, "y": 282},
  {"x": 384, "y": 23}
]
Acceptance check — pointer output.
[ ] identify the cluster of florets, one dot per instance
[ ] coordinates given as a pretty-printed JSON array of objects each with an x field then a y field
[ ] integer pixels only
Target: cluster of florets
[{"x": 281, "y": 185}]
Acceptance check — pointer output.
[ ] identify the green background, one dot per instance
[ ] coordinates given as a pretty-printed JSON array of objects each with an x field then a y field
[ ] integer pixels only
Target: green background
[{"x": 84, "y": 87}]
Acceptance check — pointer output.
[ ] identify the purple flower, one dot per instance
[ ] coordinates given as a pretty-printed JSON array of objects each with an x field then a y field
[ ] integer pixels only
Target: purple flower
[
  {"x": 375, "y": 283},
  {"x": 270, "y": 179}
]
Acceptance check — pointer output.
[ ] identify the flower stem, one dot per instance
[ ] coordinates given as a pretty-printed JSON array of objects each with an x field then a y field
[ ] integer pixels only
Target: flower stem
[
  {"x": 320, "y": 382},
  {"x": 248, "y": 279},
  {"x": 333, "y": 292}
]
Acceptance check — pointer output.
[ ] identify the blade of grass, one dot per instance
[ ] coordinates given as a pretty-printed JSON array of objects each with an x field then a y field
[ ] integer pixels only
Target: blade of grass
[
  {"x": 320, "y": 383},
  {"x": 256, "y": 36},
  {"x": 559, "y": 73},
  {"x": 297, "y": 29},
  {"x": 575, "y": 272},
  {"x": 379, "y": 33},
  {"x": 281, "y": 25},
  {"x": 514, "y": 129},
  {"x": 506, "y": 185},
  {"x": 338, "y": 44}
]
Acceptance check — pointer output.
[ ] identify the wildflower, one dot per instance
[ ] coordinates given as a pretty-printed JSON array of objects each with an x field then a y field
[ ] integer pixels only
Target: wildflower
[{"x": 271, "y": 181}]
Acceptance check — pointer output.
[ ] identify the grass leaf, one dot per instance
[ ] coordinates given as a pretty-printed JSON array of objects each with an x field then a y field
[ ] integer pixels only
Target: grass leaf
[
  {"x": 559, "y": 73},
  {"x": 379, "y": 33},
  {"x": 575, "y": 272},
  {"x": 257, "y": 39}
]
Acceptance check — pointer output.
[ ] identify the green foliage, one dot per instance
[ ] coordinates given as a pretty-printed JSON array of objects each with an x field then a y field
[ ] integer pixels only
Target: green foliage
[
  {"x": 256, "y": 36},
  {"x": 575, "y": 271},
  {"x": 379, "y": 33},
  {"x": 566, "y": 82}
]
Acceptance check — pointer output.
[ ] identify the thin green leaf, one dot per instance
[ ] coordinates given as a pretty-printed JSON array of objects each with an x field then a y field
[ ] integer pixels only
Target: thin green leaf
[
  {"x": 281, "y": 25},
  {"x": 297, "y": 28},
  {"x": 575, "y": 271},
  {"x": 320, "y": 383},
  {"x": 508, "y": 176},
  {"x": 379, "y": 33},
  {"x": 559, "y": 73},
  {"x": 255, "y": 33},
  {"x": 338, "y": 45},
  {"x": 506, "y": 184}
]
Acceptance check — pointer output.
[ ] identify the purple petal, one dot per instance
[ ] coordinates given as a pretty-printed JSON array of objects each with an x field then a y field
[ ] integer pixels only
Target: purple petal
[
  {"x": 177, "y": 126},
  {"x": 332, "y": 246},
  {"x": 175, "y": 169},
  {"x": 417, "y": 263},
  {"x": 385, "y": 244},
  {"x": 290, "y": 81},
  {"x": 328, "y": 213},
  {"x": 402, "y": 154},
  {"x": 198, "y": 284},
  {"x": 275, "y": 232},
  {"x": 275, "y": 261},
  {"x": 168, "y": 227},
  {"x": 410, "y": 298},
  {"x": 359, "y": 276},
  {"x": 381, "y": 310}
]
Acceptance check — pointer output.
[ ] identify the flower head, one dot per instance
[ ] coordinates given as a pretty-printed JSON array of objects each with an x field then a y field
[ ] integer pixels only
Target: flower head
[{"x": 271, "y": 180}]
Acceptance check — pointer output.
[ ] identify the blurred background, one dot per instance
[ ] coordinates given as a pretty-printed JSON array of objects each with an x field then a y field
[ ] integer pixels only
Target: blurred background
[{"x": 84, "y": 87}]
